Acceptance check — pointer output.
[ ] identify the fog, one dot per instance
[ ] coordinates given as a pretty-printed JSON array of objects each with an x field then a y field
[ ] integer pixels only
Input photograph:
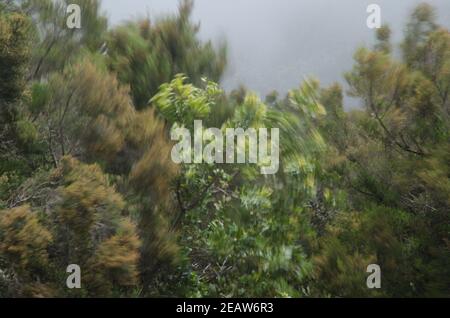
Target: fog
[{"x": 275, "y": 44}]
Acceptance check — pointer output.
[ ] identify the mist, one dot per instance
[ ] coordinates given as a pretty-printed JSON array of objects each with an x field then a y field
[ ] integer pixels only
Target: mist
[{"x": 275, "y": 44}]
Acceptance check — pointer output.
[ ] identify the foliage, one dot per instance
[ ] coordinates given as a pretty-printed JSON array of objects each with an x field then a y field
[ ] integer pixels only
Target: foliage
[
  {"x": 86, "y": 175},
  {"x": 146, "y": 54}
]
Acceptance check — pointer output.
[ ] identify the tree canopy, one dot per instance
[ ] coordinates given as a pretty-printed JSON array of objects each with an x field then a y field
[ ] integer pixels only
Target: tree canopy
[{"x": 86, "y": 175}]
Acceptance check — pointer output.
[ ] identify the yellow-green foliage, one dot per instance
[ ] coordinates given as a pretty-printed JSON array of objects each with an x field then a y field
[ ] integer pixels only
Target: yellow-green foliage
[
  {"x": 150, "y": 177},
  {"x": 87, "y": 203},
  {"x": 435, "y": 174},
  {"x": 92, "y": 231},
  {"x": 148, "y": 53},
  {"x": 182, "y": 103},
  {"x": 23, "y": 240},
  {"x": 88, "y": 110},
  {"x": 153, "y": 171},
  {"x": 55, "y": 46},
  {"x": 86, "y": 175},
  {"x": 340, "y": 272},
  {"x": 14, "y": 54},
  {"x": 115, "y": 263},
  {"x": 85, "y": 226}
]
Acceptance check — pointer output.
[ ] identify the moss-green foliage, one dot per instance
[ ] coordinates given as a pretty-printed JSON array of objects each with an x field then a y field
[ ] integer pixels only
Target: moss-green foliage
[
  {"x": 390, "y": 159},
  {"x": 147, "y": 53},
  {"x": 20, "y": 148},
  {"x": 86, "y": 175},
  {"x": 81, "y": 222},
  {"x": 55, "y": 45},
  {"x": 24, "y": 239},
  {"x": 14, "y": 55}
]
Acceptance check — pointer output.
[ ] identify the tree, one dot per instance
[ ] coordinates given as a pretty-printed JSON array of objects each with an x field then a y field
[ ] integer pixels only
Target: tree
[
  {"x": 55, "y": 45},
  {"x": 14, "y": 54},
  {"x": 87, "y": 178},
  {"x": 148, "y": 53},
  {"x": 87, "y": 114},
  {"x": 387, "y": 157},
  {"x": 24, "y": 249},
  {"x": 18, "y": 134},
  {"x": 83, "y": 224}
]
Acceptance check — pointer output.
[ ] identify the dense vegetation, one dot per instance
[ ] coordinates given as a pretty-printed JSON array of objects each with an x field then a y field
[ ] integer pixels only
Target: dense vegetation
[{"x": 86, "y": 175}]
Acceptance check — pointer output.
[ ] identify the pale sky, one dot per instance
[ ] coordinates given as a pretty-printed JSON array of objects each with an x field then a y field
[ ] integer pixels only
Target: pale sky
[{"x": 274, "y": 44}]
